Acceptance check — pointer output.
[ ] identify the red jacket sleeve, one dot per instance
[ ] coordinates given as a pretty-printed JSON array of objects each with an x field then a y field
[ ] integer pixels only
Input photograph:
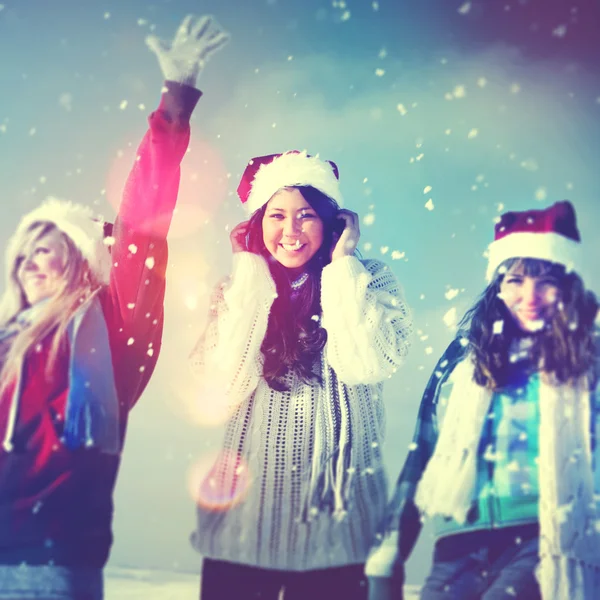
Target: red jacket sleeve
[{"x": 135, "y": 295}]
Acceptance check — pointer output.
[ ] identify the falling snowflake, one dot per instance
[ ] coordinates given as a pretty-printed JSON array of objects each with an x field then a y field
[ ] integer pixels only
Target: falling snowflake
[
  {"x": 541, "y": 193},
  {"x": 498, "y": 327},
  {"x": 397, "y": 255},
  {"x": 529, "y": 164},
  {"x": 401, "y": 109},
  {"x": 464, "y": 8},
  {"x": 451, "y": 294},
  {"x": 473, "y": 133},
  {"x": 513, "y": 467},
  {"x": 66, "y": 101},
  {"x": 369, "y": 219},
  {"x": 384, "y": 249},
  {"x": 429, "y": 204},
  {"x": 451, "y": 318},
  {"x": 560, "y": 31},
  {"x": 427, "y": 189},
  {"x": 459, "y": 91},
  {"x": 380, "y": 72},
  {"x": 150, "y": 262},
  {"x": 482, "y": 82}
]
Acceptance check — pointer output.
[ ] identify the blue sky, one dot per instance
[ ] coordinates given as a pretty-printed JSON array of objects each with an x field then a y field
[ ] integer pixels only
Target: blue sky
[{"x": 491, "y": 105}]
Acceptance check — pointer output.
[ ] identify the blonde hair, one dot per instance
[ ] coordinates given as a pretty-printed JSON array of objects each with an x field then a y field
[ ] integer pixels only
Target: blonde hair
[{"x": 79, "y": 283}]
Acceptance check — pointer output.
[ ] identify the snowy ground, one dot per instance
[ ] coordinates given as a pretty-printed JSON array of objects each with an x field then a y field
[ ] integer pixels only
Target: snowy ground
[{"x": 136, "y": 584}]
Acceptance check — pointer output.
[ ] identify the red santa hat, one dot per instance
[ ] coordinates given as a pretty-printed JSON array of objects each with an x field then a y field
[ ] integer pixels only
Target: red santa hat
[
  {"x": 266, "y": 175},
  {"x": 77, "y": 222},
  {"x": 550, "y": 234}
]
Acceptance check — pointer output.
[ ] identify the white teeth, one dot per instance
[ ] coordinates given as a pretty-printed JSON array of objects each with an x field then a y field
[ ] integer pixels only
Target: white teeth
[{"x": 292, "y": 247}]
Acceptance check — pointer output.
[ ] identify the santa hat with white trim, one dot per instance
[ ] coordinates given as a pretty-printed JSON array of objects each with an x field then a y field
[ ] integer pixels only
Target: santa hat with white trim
[
  {"x": 77, "y": 222},
  {"x": 550, "y": 234},
  {"x": 264, "y": 176}
]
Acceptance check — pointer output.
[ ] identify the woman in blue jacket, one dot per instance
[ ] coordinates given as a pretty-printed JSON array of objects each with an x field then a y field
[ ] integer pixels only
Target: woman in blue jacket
[{"x": 502, "y": 455}]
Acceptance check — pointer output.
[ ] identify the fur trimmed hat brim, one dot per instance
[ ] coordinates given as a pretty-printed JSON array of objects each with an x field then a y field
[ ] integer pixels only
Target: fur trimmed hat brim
[
  {"x": 77, "y": 222},
  {"x": 290, "y": 169}
]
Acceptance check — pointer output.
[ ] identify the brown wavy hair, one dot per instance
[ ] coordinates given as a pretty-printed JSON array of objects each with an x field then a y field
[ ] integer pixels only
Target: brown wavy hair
[
  {"x": 294, "y": 338},
  {"x": 564, "y": 348}
]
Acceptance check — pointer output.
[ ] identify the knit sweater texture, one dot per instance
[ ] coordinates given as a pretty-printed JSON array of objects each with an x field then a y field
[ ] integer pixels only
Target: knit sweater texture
[{"x": 283, "y": 441}]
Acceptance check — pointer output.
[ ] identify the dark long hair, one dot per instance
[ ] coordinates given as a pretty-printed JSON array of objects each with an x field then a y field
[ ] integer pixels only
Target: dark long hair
[
  {"x": 565, "y": 347},
  {"x": 295, "y": 338}
]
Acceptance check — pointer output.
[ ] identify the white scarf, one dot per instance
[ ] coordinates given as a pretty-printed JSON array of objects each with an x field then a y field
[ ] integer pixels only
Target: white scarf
[{"x": 569, "y": 567}]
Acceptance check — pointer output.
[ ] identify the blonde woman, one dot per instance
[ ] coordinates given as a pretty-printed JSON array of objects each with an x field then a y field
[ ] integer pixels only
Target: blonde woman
[{"x": 80, "y": 330}]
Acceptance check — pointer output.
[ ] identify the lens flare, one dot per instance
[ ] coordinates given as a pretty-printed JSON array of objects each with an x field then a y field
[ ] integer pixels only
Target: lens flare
[
  {"x": 219, "y": 482},
  {"x": 193, "y": 399},
  {"x": 202, "y": 188},
  {"x": 209, "y": 407}
]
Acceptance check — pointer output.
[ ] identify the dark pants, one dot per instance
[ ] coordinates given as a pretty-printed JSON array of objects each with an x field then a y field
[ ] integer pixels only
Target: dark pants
[
  {"x": 485, "y": 565},
  {"x": 228, "y": 581}
]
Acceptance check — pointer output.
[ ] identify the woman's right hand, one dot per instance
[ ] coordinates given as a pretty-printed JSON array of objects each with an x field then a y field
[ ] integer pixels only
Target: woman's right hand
[
  {"x": 183, "y": 59},
  {"x": 238, "y": 237}
]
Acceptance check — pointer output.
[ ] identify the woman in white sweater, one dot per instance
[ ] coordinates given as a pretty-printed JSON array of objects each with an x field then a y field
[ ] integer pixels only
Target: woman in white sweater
[{"x": 299, "y": 341}]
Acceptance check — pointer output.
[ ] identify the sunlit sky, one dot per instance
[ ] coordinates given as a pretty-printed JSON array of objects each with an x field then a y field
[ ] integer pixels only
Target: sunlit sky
[{"x": 440, "y": 115}]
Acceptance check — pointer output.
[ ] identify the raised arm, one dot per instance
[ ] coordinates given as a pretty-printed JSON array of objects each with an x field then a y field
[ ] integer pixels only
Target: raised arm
[{"x": 139, "y": 249}]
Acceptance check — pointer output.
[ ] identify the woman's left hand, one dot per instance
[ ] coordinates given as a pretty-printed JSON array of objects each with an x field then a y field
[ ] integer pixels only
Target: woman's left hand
[{"x": 345, "y": 244}]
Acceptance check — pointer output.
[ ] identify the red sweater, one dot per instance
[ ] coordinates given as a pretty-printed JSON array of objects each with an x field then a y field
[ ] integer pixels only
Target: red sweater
[{"x": 55, "y": 504}]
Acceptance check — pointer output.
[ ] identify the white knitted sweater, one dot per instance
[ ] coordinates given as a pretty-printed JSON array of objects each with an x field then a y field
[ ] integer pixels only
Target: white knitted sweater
[{"x": 317, "y": 489}]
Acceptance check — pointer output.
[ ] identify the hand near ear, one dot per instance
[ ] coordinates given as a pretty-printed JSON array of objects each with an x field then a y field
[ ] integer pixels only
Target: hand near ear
[{"x": 347, "y": 241}]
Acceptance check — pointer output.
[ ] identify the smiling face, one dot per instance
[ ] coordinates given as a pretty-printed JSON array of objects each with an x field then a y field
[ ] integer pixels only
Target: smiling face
[
  {"x": 531, "y": 301},
  {"x": 40, "y": 265},
  {"x": 292, "y": 230}
]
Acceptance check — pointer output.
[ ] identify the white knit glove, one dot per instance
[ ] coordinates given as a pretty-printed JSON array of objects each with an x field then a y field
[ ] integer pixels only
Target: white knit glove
[
  {"x": 196, "y": 40},
  {"x": 383, "y": 559}
]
